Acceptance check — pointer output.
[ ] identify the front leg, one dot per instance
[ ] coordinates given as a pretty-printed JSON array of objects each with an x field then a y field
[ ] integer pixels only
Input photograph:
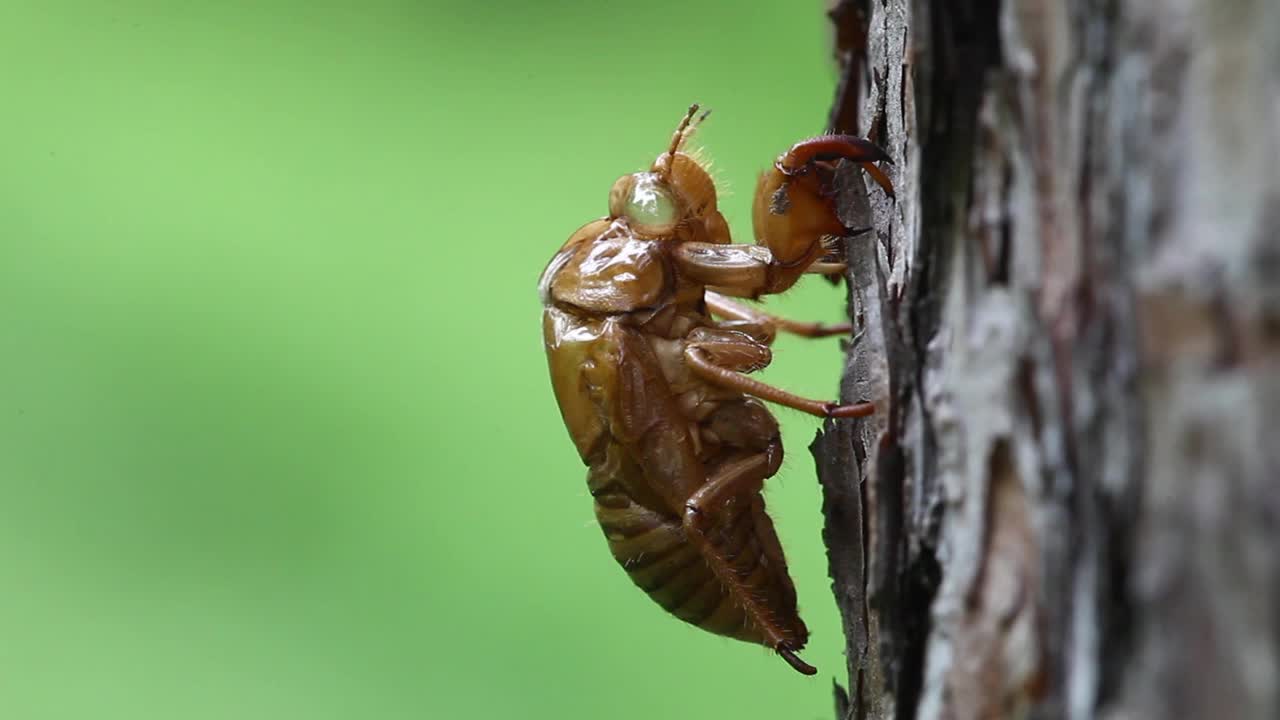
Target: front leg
[
  {"x": 794, "y": 207},
  {"x": 746, "y": 271}
]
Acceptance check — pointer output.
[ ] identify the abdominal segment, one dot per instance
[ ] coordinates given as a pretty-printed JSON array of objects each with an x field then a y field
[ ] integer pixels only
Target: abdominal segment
[
  {"x": 658, "y": 558},
  {"x": 653, "y": 548}
]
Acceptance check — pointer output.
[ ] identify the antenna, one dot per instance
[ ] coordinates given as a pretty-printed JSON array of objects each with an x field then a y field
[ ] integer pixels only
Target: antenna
[{"x": 681, "y": 128}]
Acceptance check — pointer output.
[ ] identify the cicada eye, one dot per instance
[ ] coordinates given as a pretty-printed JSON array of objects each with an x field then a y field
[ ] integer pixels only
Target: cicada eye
[{"x": 646, "y": 202}]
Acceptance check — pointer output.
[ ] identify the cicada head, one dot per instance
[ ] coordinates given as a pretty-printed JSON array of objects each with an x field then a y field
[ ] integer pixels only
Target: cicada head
[{"x": 675, "y": 199}]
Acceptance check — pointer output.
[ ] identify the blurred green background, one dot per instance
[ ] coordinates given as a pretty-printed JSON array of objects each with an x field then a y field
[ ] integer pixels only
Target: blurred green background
[{"x": 276, "y": 436}]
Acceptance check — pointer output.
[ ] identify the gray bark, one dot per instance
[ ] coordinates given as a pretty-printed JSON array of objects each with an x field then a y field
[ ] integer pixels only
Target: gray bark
[{"x": 1068, "y": 502}]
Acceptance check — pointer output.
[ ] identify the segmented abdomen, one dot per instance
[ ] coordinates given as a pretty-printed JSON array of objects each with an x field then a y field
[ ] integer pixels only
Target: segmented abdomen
[{"x": 654, "y": 551}]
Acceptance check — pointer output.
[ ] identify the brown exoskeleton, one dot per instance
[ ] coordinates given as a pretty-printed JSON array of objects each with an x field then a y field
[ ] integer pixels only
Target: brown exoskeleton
[{"x": 652, "y": 387}]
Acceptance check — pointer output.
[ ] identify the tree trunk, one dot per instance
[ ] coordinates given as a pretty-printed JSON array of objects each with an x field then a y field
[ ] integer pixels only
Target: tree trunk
[{"x": 1067, "y": 505}]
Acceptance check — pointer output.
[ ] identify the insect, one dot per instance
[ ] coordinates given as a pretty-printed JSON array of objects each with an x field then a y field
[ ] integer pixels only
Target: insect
[{"x": 654, "y": 389}]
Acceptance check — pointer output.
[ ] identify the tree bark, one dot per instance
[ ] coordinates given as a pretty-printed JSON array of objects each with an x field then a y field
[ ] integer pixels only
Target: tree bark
[{"x": 1068, "y": 502}]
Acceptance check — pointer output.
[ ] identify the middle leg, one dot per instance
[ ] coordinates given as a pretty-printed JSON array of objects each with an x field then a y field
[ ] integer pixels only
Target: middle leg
[
  {"x": 732, "y": 309},
  {"x": 701, "y": 358}
]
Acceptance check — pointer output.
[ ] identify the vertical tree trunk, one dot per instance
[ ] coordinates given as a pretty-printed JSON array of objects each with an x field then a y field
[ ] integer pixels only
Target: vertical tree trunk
[{"x": 1068, "y": 504}]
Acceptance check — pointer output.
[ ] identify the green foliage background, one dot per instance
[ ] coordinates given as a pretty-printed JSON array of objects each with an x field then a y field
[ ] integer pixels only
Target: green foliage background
[{"x": 276, "y": 437}]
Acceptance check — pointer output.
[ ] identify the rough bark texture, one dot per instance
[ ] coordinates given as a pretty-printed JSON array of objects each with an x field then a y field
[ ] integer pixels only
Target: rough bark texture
[{"x": 1068, "y": 504}]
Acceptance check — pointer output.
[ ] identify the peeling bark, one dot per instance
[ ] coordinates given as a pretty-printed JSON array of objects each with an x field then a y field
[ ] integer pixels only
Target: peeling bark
[{"x": 1068, "y": 502}]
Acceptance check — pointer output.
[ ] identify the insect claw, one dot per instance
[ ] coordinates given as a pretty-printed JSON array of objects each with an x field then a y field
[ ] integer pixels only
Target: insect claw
[
  {"x": 794, "y": 661},
  {"x": 862, "y": 409},
  {"x": 789, "y": 171}
]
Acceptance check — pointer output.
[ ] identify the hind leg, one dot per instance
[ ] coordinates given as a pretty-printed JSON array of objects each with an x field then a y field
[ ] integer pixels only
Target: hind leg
[
  {"x": 741, "y": 478},
  {"x": 748, "y": 450}
]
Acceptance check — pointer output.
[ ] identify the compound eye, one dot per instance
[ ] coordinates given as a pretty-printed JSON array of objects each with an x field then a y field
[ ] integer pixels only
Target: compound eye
[{"x": 646, "y": 202}]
